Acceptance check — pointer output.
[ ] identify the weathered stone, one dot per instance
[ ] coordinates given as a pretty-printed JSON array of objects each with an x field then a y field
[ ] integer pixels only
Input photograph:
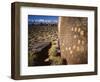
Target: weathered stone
[
  {"x": 41, "y": 51},
  {"x": 73, "y": 39}
]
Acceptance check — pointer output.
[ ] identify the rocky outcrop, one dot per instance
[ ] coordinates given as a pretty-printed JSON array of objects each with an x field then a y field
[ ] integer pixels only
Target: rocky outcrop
[
  {"x": 73, "y": 39},
  {"x": 39, "y": 54}
]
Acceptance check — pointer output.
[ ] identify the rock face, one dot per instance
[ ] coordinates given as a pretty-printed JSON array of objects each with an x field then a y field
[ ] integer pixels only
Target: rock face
[
  {"x": 73, "y": 39},
  {"x": 39, "y": 54}
]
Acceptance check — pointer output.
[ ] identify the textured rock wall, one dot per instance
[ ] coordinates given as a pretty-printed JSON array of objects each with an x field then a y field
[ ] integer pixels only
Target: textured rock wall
[{"x": 73, "y": 39}]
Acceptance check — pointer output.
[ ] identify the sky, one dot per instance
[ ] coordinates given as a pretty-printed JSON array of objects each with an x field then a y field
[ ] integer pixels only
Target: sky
[{"x": 39, "y": 18}]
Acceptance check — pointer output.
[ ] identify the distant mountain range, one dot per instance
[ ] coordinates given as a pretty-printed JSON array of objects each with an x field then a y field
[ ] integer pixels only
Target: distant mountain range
[{"x": 43, "y": 21}]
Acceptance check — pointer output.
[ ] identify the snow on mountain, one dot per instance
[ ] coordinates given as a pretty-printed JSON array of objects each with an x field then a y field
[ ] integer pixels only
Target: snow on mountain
[{"x": 42, "y": 21}]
